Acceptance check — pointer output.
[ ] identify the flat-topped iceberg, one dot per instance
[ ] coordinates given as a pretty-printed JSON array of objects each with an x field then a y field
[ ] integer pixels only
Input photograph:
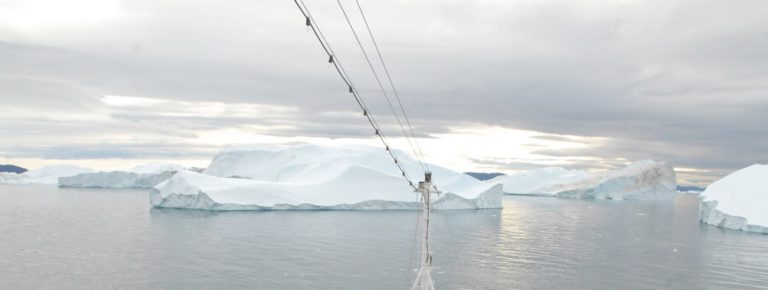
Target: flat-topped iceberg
[
  {"x": 316, "y": 177},
  {"x": 44, "y": 175},
  {"x": 738, "y": 201},
  {"x": 646, "y": 180},
  {"x": 142, "y": 176},
  {"x": 539, "y": 181}
]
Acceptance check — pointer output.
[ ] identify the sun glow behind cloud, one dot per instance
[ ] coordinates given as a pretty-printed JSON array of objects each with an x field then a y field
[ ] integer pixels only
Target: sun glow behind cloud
[
  {"x": 203, "y": 128},
  {"x": 461, "y": 149},
  {"x": 466, "y": 147},
  {"x": 175, "y": 108}
]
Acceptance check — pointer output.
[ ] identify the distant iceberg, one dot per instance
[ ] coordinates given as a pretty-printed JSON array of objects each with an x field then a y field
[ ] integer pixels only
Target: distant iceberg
[
  {"x": 115, "y": 179},
  {"x": 9, "y": 177},
  {"x": 738, "y": 201},
  {"x": 142, "y": 176},
  {"x": 539, "y": 181},
  {"x": 306, "y": 177},
  {"x": 44, "y": 175},
  {"x": 156, "y": 168},
  {"x": 648, "y": 180}
]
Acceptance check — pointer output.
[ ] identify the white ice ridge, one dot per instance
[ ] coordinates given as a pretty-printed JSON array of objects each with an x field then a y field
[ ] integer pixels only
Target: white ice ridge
[
  {"x": 738, "y": 201},
  {"x": 648, "y": 180},
  {"x": 44, "y": 175},
  {"x": 155, "y": 168},
  {"x": 142, "y": 176},
  {"x": 537, "y": 181},
  {"x": 316, "y": 177}
]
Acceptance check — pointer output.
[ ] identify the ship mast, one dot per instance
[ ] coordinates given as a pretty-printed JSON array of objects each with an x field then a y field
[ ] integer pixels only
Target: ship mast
[
  {"x": 424, "y": 277},
  {"x": 425, "y": 188}
]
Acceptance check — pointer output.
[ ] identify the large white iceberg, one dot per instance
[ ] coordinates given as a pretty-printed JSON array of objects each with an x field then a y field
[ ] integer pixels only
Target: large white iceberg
[
  {"x": 539, "y": 181},
  {"x": 738, "y": 201},
  {"x": 648, "y": 180},
  {"x": 44, "y": 175},
  {"x": 142, "y": 176},
  {"x": 316, "y": 177}
]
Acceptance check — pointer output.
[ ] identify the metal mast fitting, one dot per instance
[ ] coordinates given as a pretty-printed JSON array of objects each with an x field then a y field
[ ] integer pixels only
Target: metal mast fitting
[{"x": 424, "y": 277}]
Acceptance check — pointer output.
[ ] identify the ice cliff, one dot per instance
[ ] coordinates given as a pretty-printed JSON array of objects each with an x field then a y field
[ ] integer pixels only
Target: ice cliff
[
  {"x": 143, "y": 176},
  {"x": 738, "y": 201},
  {"x": 648, "y": 179},
  {"x": 315, "y": 177}
]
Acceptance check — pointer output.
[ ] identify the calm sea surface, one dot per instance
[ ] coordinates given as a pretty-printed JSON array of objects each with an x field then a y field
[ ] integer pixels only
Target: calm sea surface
[{"x": 53, "y": 238}]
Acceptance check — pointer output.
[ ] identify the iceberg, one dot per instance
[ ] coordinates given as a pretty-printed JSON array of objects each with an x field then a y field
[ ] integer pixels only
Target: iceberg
[
  {"x": 44, "y": 175},
  {"x": 648, "y": 180},
  {"x": 142, "y": 176},
  {"x": 738, "y": 201},
  {"x": 645, "y": 180},
  {"x": 316, "y": 177},
  {"x": 115, "y": 179},
  {"x": 156, "y": 168},
  {"x": 9, "y": 177},
  {"x": 538, "y": 181}
]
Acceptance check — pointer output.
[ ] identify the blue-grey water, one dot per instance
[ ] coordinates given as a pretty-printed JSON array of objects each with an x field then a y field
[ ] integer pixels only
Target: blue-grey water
[{"x": 52, "y": 238}]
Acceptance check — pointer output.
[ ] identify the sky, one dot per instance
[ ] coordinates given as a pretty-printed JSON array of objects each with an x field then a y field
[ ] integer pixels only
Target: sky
[{"x": 494, "y": 86}]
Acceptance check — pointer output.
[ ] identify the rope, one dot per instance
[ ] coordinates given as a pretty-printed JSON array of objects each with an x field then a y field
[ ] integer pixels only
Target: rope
[
  {"x": 384, "y": 91},
  {"x": 332, "y": 58},
  {"x": 391, "y": 84}
]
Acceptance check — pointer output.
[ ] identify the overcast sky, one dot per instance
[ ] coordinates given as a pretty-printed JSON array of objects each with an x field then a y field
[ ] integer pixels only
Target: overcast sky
[{"x": 489, "y": 85}]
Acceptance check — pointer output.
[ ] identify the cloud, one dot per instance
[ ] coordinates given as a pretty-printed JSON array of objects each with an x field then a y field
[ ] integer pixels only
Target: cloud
[
  {"x": 131, "y": 150},
  {"x": 678, "y": 80}
]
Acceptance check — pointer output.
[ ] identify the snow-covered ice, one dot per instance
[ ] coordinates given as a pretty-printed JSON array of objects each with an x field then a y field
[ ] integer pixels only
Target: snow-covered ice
[
  {"x": 142, "y": 176},
  {"x": 738, "y": 201},
  {"x": 537, "y": 181},
  {"x": 647, "y": 180},
  {"x": 316, "y": 177},
  {"x": 8, "y": 177},
  {"x": 115, "y": 179},
  {"x": 44, "y": 175},
  {"x": 155, "y": 168}
]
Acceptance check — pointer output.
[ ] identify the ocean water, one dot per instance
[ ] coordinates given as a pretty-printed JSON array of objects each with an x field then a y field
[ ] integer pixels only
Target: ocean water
[{"x": 52, "y": 238}]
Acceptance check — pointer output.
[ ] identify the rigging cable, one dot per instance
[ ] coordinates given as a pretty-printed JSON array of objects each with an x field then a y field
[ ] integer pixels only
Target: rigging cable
[
  {"x": 333, "y": 59},
  {"x": 310, "y": 21},
  {"x": 384, "y": 91},
  {"x": 391, "y": 83}
]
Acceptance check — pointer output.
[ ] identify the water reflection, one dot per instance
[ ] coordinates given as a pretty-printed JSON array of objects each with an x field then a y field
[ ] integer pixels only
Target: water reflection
[{"x": 74, "y": 239}]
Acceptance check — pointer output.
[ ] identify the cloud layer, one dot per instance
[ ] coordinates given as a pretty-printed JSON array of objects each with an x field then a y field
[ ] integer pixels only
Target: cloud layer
[{"x": 685, "y": 81}]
